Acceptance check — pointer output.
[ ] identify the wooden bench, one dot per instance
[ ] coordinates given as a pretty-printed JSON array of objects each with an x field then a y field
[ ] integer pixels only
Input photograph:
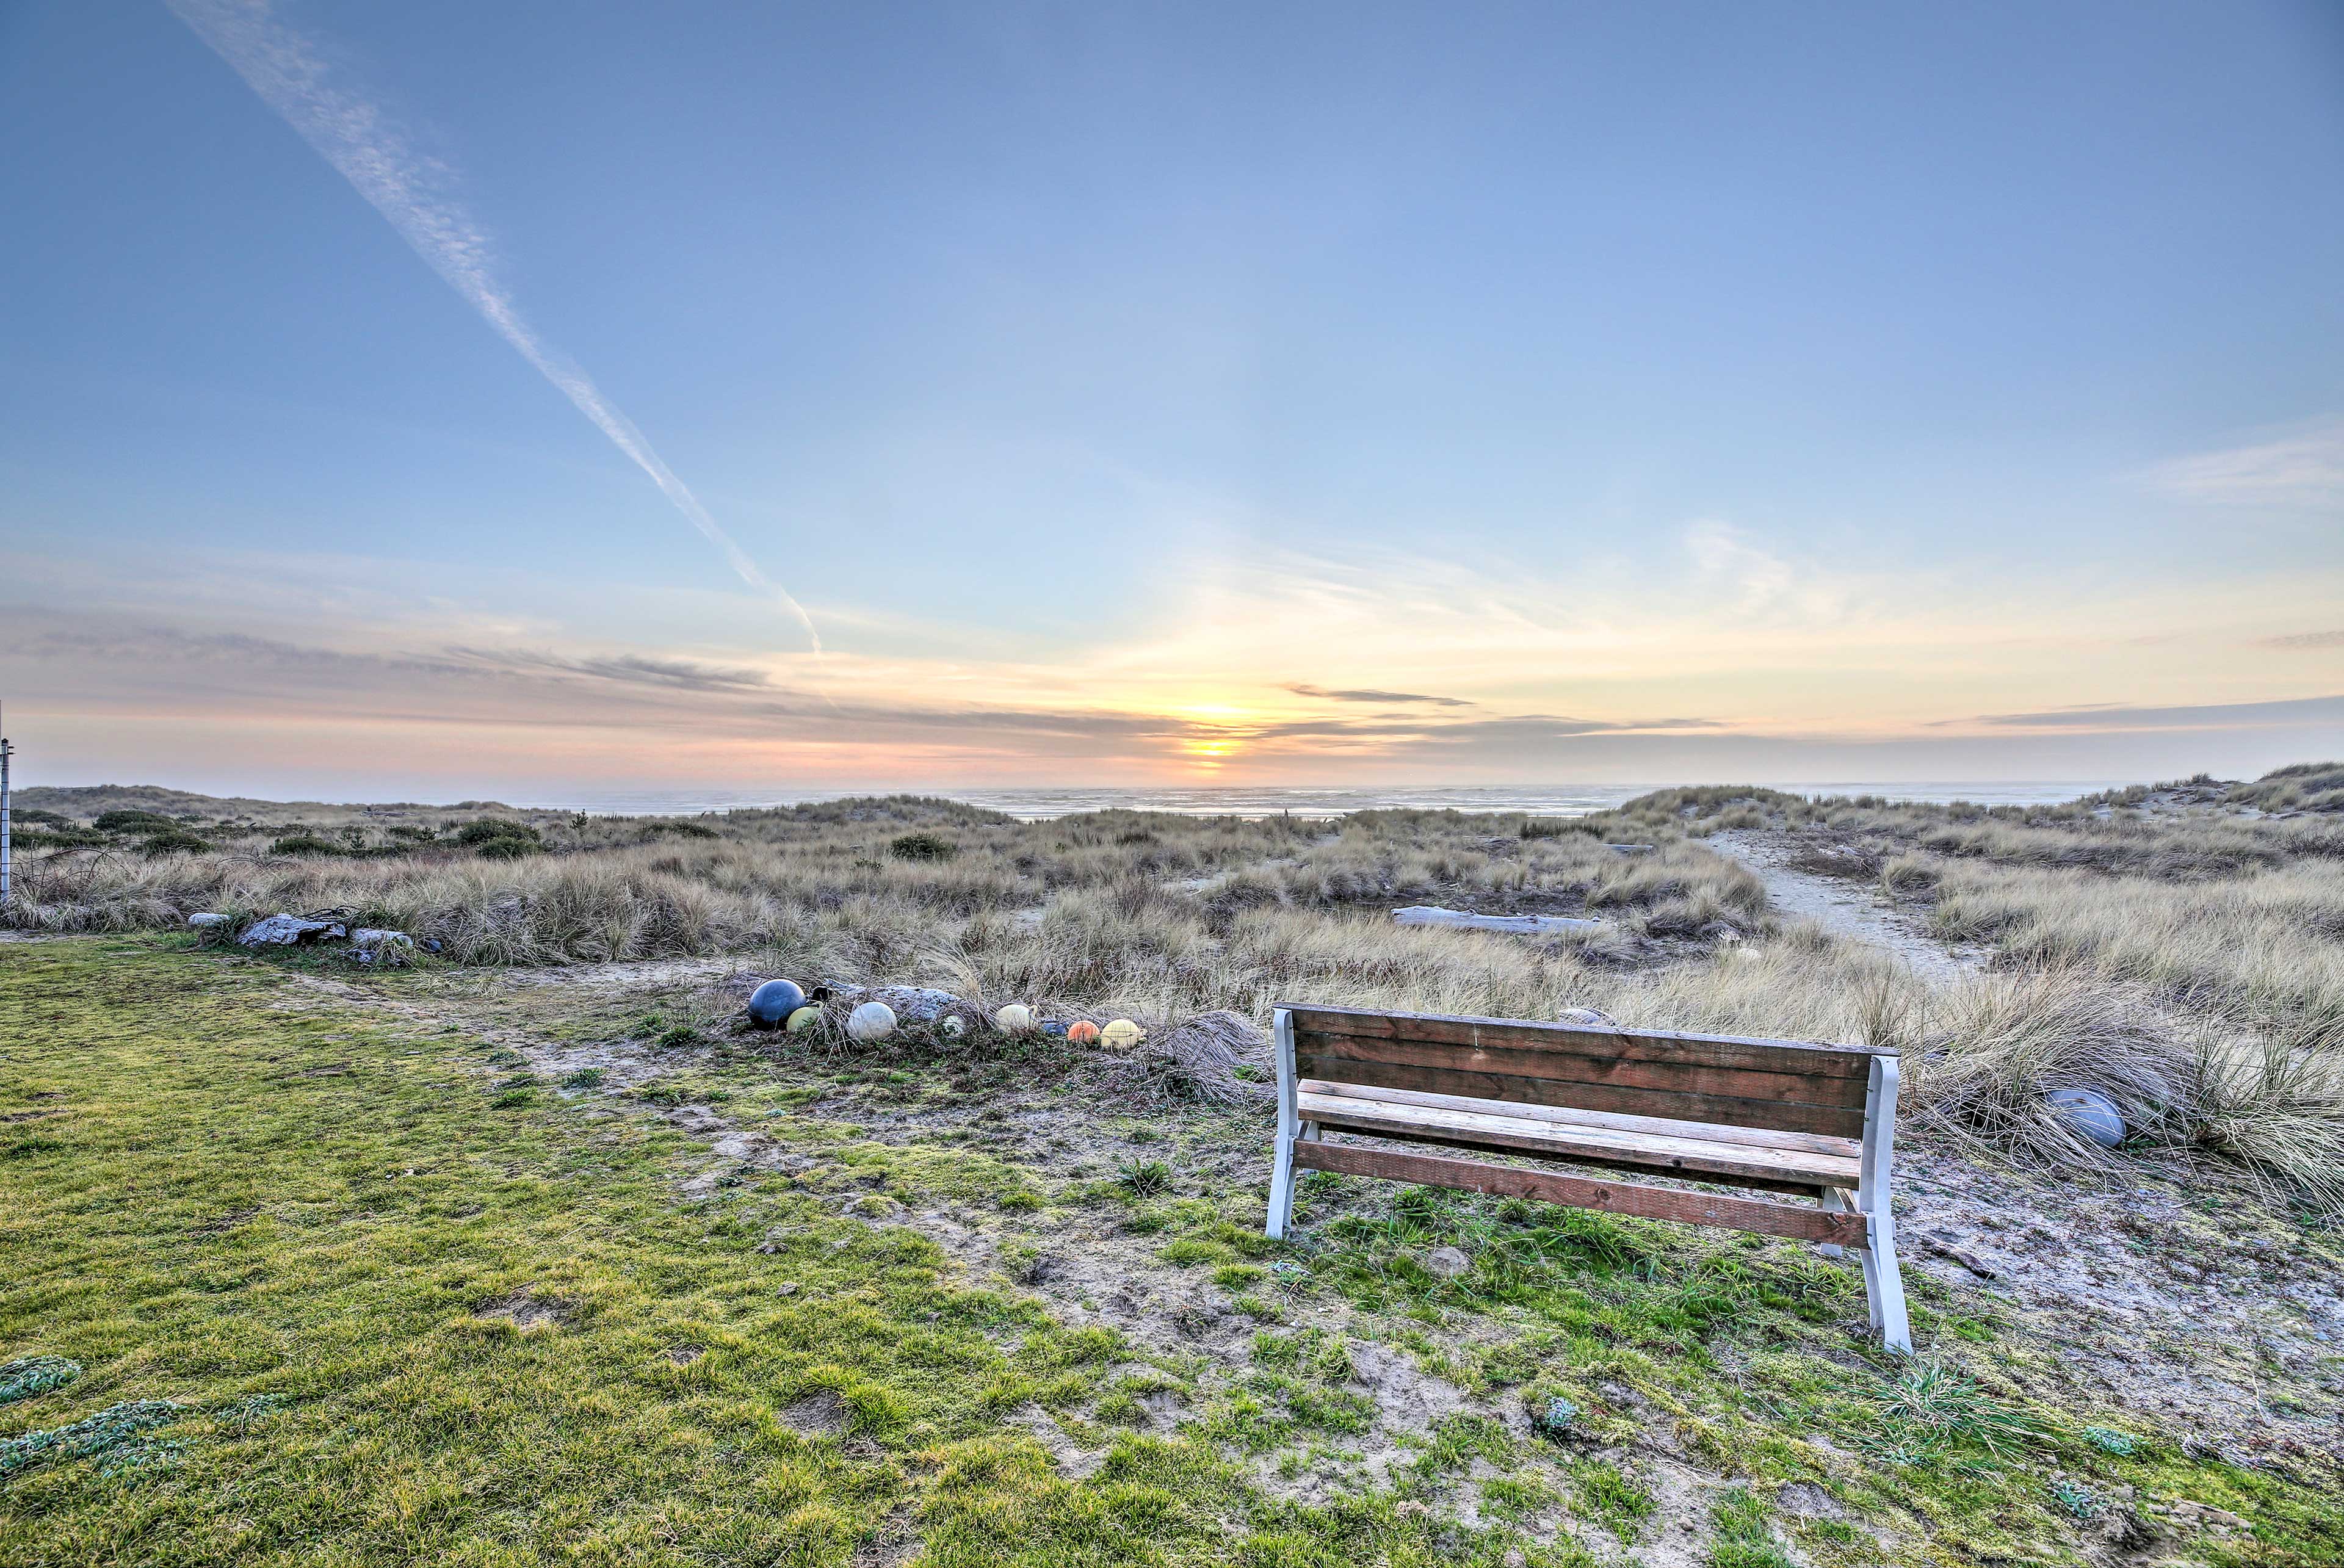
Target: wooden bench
[{"x": 1773, "y": 1115}]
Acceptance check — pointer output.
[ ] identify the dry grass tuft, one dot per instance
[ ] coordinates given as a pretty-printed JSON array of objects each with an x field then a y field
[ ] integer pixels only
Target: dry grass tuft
[
  {"x": 1199, "y": 1057},
  {"x": 2276, "y": 1106},
  {"x": 1992, "y": 1048}
]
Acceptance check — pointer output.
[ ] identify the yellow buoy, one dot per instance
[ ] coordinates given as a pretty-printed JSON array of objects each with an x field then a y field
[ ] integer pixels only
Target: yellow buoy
[
  {"x": 804, "y": 1018},
  {"x": 1123, "y": 1034}
]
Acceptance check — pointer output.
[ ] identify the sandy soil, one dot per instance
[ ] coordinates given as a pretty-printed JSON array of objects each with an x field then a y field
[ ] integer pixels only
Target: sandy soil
[{"x": 1857, "y": 911}]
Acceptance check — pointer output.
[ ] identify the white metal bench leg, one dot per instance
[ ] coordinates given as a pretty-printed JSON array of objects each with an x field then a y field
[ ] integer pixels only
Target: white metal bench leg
[
  {"x": 1882, "y": 1285},
  {"x": 1290, "y": 1127},
  {"x": 1835, "y": 1202}
]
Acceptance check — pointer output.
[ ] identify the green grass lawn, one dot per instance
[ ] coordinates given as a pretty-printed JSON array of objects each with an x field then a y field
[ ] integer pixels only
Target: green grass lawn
[
  {"x": 290, "y": 1222},
  {"x": 318, "y": 1235}
]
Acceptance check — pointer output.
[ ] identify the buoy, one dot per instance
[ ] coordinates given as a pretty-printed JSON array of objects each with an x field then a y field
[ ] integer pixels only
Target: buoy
[
  {"x": 870, "y": 1021},
  {"x": 774, "y": 1000},
  {"x": 804, "y": 1018},
  {"x": 953, "y": 1024},
  {"x": 1083, "y": 1032},
  {"x": 1014, "y": 1019},
  {"x": 1123, "y": 1034},
  {"x": 2087, "y": 1113}
]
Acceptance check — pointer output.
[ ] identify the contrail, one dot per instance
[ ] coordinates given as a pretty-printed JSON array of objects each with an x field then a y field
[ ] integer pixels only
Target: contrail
[{"x": 408, "y": 188}]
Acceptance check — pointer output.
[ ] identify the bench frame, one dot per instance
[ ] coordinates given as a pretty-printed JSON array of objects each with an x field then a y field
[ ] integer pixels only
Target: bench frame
[{"x": 1863, "y": 1217}]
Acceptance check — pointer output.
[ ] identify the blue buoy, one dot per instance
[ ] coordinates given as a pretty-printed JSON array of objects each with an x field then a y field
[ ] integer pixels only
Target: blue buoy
[
  {"x": 2087, "y": 1113},
  {"x": 774, "y": 1001}
]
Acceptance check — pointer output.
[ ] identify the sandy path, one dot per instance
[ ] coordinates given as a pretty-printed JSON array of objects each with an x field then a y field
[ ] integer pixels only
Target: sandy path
[{"x": 1844, "y": 908}]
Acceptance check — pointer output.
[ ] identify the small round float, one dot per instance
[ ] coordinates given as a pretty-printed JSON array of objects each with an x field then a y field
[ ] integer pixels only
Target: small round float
[
  {"x": 774, "y": 1001},
  {"x": 870, "y": 1021}
]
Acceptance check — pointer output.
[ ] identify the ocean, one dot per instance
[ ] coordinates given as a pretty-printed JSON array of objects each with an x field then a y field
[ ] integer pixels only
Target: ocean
[{"x": 1268, "y": 800}]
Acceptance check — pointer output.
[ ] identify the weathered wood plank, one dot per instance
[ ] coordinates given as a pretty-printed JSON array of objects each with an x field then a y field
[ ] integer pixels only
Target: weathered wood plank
[
  {"x": 1754, "y": 1214},
  {"x": 1528, "y": 1135},
  {"x": 1657, "y": 1045},
  {"x": 1579, "y": 1062},
  {"x": 1708, "y": 1131},
  {"x": 1830, "y": 1121}
]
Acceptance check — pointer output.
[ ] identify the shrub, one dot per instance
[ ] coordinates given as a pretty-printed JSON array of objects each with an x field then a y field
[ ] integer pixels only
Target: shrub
[
  {"x": 923, "y": 846},
  {"x": 510, "y": 849},
  {"x": 679, "y": 829},
  {"x": 176, "y": 842},
  {"x": 304, "y": 843},
  {"x": 64, "y": 838},
  {"x": 489, "y": 829},
  {"x": 128, "y": 821}
]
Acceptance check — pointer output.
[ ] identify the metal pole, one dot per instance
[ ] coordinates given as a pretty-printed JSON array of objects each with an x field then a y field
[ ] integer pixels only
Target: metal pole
[{"x": 7, "y": 751}]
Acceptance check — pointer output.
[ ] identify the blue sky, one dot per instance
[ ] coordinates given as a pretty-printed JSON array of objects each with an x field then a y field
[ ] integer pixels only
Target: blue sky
[{"x": 1674, "y": 392}]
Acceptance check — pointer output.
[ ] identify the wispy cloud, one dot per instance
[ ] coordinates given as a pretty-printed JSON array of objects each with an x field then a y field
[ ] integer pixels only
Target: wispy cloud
[
  {"x": 369, "y": 149},
  {"x": 1365, "y": 694},
  {"x": 2196, "y": 716},
  {"x": 2304, "y": 469},
  {"x": 2302, "y": 640},
  {"x": 627, "y": 669}
]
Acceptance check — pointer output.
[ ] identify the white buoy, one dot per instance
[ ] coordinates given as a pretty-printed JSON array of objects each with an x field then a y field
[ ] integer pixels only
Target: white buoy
[
  {"x": 1015, "y": 1019},
  {"x": 953, "y": 1024},
  {"x": 870, "y": 1021}
]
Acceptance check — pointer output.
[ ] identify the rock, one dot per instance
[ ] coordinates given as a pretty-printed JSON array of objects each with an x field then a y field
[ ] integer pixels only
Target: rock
[
  {"x": 290, "y": 930},
  {"x": 371, "y": 944},
  {"x": 1447, "y": 1261},
  {"x": 1630, "y": 848},
  {"x": 1805, "y": 1500},
  {"x": 201, "y": 922},
  {"x": 2089, "y": 1114},
  {"x": 910, "y": 1004}
]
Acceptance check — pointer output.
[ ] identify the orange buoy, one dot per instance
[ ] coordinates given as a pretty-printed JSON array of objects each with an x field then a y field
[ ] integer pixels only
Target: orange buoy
[{"x": 1083, "y": 1032}]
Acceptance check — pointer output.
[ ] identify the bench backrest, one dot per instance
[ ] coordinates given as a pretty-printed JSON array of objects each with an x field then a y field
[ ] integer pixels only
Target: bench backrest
[{"x": 1725, "y": 1079}]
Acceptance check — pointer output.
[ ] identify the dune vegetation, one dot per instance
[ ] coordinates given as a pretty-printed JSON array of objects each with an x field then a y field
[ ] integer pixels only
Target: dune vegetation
[{"x": 525, "y": 1249}]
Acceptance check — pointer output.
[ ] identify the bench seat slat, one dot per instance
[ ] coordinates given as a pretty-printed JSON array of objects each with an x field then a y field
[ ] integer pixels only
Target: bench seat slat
[
  {"x": 1579, "y": 1061},
  {"x": 1755, "y": 1214},
  {"x": 1495, "y": 1125},
  {"x": 1807, "y": 1056},
  {"x": 1835, "y": 1121},
  {"x": 1711, "y": 1131}
]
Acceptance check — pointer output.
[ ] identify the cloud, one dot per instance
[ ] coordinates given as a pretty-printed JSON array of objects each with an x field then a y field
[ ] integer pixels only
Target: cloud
[
  {"x": 2201, "y": 717},
  {"x": 2297, "y": 639},
  {"x": 634, "y": 669},
  {"x": 2302, "y": 469},
  {"x": 1726, "y": 556},
  {"x": 372, "y": 153},
  {"x": 1358, "y": 694}
]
